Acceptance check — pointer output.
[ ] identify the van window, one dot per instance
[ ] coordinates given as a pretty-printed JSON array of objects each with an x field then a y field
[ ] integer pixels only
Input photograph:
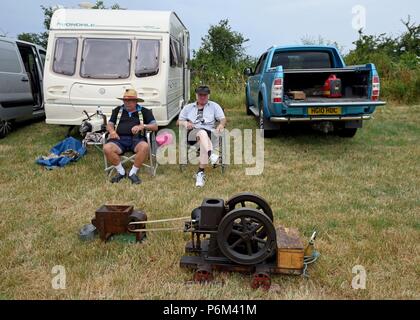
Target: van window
[
  {"x": 65, "y": 55},
  {"x": 174, "y": 53},
  {"x": 147, "y": 58},
  {"x": 42, "y": 55},
  {"x": 301, "y": 59},
  {"x": 9, "y": 61},
  {"x": 106, "y": 58}
]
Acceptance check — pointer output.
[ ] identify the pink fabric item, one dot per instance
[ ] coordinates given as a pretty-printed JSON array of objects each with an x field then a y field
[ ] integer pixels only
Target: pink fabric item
[{"x": 164, "y": 139}]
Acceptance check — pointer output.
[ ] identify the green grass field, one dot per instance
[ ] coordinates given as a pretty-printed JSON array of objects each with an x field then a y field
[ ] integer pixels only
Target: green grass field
[{"x": 361, "y": 194}]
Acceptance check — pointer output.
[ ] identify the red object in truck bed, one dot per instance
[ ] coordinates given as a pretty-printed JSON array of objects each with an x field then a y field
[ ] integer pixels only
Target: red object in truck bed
[{"x": 332, "y": 87}]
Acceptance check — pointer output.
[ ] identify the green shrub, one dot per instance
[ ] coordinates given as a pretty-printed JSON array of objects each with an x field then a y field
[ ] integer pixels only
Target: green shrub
[
  {"x": 220, "y": 61},
  {"x": 396, "y": 59}
]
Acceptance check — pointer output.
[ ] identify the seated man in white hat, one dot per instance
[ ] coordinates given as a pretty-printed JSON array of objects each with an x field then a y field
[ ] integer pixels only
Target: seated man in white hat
[
  {"x": 126, "y": 133},
  {"x": 200, "y": 118}
]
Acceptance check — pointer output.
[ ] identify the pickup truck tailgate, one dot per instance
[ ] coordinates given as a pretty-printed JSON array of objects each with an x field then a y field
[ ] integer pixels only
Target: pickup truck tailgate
[
  {"x": 350, "y": 109},
  {"x": 340, "y": 102}
]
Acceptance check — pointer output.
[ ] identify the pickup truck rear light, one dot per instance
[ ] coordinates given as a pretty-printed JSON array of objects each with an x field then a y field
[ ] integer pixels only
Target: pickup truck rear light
[
  {"x": 277, "y": 91},
  {"x": 376, "y": 88}
]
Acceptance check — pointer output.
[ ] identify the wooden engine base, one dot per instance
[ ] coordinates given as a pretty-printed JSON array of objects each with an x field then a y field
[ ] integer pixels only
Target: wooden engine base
[{"x": 287, "y": 260}]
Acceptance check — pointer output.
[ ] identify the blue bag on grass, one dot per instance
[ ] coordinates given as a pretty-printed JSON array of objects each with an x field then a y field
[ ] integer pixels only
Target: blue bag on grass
[{"x": 68, "y": 150}]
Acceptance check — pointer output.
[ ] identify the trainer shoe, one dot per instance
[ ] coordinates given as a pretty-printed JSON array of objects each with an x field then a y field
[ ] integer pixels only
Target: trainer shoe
[
  {"x": 213, "y": 159},
  {"x": 199, "y": 179}
]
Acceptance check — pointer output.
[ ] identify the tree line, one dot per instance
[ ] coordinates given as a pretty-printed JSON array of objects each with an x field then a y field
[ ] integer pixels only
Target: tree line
[{"x": 221, "y": 58}]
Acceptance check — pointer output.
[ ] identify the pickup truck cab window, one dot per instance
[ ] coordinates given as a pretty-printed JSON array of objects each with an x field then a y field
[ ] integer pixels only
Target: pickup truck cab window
[
  {"x": 260, "y": 64},
  {"x": 302, "y": 59}
]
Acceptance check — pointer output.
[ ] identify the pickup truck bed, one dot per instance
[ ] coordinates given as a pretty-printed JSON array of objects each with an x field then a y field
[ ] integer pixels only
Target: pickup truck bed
[
  {"x": 283, "y": 72},
  {"x": 355, "y": 81}
]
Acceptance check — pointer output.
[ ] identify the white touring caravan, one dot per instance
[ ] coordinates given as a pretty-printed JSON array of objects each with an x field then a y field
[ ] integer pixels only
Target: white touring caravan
[{"x": 94, "y": 55}]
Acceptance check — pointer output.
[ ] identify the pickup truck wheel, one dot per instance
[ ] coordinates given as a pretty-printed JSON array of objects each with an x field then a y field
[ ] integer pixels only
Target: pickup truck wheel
[
  {"x": 261, "y": 121},
  {"x": 347, "y": 132},
  {"x": 248, "y": 112},
  {"x": 5, "y": 128}
]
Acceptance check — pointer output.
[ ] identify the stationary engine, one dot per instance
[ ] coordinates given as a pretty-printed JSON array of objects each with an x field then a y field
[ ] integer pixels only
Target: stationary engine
[{"x": 239, "y": 235}]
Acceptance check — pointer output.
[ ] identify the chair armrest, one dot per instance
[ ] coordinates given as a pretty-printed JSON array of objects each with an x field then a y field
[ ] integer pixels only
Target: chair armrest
[
  {"x": 218, "y": 134},
  {"x": 105, "y": 137},
  {"x": 150, "y": 135}
]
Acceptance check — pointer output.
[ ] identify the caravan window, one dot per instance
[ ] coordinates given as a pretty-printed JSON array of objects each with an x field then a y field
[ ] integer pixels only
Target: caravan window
[
  {"x": 65, "y": 56},
  {"x": 106, "y": 59},
  {"x": 174, "y": 53},
  {"x": 177, "y": 57},
  {"x": 180, "y": 54},
  {"x": 147, "y": 58}
]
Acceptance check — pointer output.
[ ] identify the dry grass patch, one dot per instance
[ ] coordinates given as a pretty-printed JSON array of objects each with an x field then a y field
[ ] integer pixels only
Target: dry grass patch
[{"x": 361, "y": 194}]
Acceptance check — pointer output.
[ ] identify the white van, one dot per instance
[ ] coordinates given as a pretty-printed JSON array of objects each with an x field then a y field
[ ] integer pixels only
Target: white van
[
  {"x": 94, "y": 55},
  {"x": 21, "y": 69}
]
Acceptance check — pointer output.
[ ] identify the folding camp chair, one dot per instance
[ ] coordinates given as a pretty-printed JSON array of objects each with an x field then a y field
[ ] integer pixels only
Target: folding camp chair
[
  {"x": 219, "y": 147},
  {"x": 99, "y": 138},
  {"x": 129, "y": 157}
]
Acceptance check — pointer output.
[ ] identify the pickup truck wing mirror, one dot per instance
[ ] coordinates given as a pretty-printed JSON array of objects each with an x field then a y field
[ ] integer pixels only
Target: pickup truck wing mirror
[{"x": 248, "y": 72}]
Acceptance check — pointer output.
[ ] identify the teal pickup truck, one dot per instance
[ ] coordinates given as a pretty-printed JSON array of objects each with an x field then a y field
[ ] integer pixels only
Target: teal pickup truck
[{"x": 311, "y": 84}]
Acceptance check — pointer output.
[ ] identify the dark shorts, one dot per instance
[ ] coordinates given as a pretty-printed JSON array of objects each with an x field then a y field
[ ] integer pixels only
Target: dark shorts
[
  {"x": 192, "y": 135},
  {"x": 128, "y": 143}
]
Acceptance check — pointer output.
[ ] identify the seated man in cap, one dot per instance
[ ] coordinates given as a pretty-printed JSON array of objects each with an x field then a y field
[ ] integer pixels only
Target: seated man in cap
[
  {"x": 126, "y": 133},
  {"x": 199, "y": 118}
]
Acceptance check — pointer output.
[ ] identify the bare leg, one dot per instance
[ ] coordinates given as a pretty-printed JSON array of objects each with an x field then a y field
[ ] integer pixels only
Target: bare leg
[
  {"x": 142, "y": 150},
  {"x": 112, "y": 153},
  {"x": 205, "y": 147}
]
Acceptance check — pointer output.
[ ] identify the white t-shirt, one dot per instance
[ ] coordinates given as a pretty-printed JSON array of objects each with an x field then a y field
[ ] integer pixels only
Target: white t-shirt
[{"x": 212, "y": 112}]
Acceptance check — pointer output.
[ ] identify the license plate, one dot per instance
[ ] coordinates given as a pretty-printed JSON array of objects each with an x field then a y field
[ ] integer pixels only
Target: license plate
[{"x": 324, "y": 111}]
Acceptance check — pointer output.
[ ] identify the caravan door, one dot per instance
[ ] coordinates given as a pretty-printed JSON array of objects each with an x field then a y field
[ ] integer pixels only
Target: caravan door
[
  {"x": 175, "y": 79},
  {"x": 187, "y": 81}
]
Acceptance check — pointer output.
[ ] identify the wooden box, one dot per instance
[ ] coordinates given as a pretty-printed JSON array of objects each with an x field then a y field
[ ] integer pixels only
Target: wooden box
[
  {"x": 112, "y": 219},
  {"x": 290, "y": 250},
  {"x": 297, "y": 95}
]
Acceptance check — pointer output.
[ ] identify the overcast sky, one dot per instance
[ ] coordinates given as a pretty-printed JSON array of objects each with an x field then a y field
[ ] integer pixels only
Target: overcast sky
[{"x": 264, "y": 22}]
